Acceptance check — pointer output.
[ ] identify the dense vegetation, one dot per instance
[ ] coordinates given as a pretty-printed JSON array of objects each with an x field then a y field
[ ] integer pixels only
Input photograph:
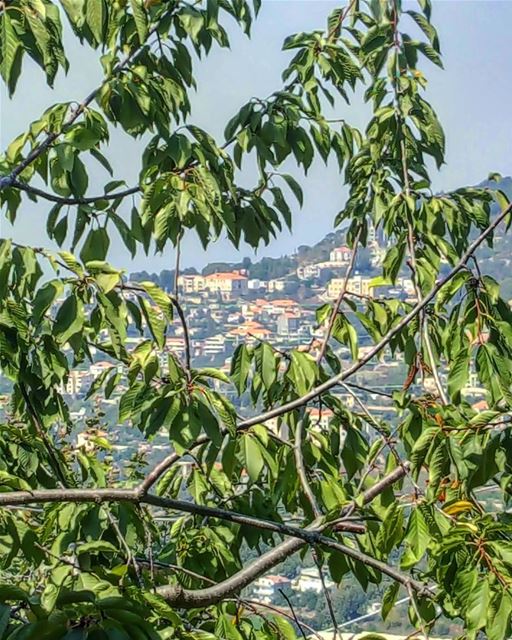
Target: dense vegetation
[{"x": 81, "y": 552}]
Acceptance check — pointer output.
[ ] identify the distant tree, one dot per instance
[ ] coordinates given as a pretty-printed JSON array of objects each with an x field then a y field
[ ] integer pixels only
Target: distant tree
[{"x": 83, "y": 555}]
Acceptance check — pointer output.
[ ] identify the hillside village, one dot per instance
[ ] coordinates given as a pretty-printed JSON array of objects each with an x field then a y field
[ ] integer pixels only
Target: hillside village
[{"x": 225, "y": 308}]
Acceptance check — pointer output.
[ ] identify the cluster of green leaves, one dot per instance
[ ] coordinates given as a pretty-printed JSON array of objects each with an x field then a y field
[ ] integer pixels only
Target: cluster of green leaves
[{"x": 93, "y": 570}]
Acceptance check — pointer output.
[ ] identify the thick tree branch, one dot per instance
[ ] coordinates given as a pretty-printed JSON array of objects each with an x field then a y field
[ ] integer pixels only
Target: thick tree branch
[{"x": 203, "y": 597}]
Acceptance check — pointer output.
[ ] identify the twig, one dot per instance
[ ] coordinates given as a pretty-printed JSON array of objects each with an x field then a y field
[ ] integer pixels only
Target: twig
[
  {"x": 301, "y": 469},
  {"x": 414, "y": 605},
  {"x": 17, "y": 184},
  {"x": 423, "y": 331},
  {"x": 186, "y": 336},
  {"x": 368, "y": 390},
  {"x": 297, "y": 622},
  {"x": 299, "y": 457},
  {"x": 327, "y": 595},
  {"x": 340, "y": 298},
  {"x": 256, "y": 603},
  {"x": 130, "y": 558},
  {"x": 174, "y": 567},
  {"x": 177, "y": 266},
  {"x": 406, "y": 319},
  {"x": 7, "y": 181},
  {"x": 43, "y": 435}
]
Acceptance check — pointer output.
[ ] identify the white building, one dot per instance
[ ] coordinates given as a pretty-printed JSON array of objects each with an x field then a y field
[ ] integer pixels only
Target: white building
[
  {"x": 276, "y": 285},
  {"x": 266, "y": 588},
  {"x": 255, "y": 284},
  {"x": 191, "y": 283},
  {"x": 309, "y": 580},
  {"x": 228, "y": 283},
  {"x": 341, "y": 255}
]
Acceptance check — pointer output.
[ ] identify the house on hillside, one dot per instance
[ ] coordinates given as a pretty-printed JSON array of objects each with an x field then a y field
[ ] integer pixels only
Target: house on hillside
[
  {"x": 309, "y": 580},
  {"x": 359, "y": 285},
  {"x": 288, "y": 323},
  {"x": 341, "y": 255},
  {"x": 191, "y": 283},
  {"x": 229, "y": 284}
]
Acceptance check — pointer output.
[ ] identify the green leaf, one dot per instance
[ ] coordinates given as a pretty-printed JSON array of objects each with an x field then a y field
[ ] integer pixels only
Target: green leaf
[
  {"x": 477, "y": 605},
  {"x": 416, "y": 538},
  {"x": 45, "y": 298},
  {"x": 69, "y": 319},
  {"x": 302, "y": 371},
  {"x": 141, "y": 21},
  {"x": 5, "y": 614},
  {"x": 160, "y": 298},
  {"x": 10, "y": 52},
  {"x": 266, "y": 364},
  {"x": 458, "y": 374},
  {"x": 96, "y": 546},
  {"x": 155, "y": 323},
  {"x": 95, "y": 246},
  {"x": 240, "y": 367},
  {"x": 295, "y": 187},
  {"x": 389, "y": 599},
  {"x": 252, "y": 455},
  {"x": 95, "y": 16}
]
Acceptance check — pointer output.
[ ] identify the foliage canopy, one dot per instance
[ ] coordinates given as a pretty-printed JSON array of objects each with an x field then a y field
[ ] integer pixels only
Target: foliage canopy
[{"x": 82, "y": 555}]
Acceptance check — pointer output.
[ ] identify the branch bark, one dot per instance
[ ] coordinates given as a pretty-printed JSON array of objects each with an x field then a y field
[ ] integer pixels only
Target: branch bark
[
  {"x": 177, "y": 595},
  {"x": 340, "y": 298}
]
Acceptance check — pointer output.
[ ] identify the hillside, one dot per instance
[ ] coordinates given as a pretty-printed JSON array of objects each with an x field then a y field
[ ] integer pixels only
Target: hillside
[{"x": 495, "y": 263}]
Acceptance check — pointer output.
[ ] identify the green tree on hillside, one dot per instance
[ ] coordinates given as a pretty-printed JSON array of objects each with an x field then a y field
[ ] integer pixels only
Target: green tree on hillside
[{"x": 82, "y": 555}]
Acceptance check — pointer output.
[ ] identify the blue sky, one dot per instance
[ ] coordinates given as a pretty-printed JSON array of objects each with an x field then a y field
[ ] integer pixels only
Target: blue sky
[{"x": 472, "y": 97}]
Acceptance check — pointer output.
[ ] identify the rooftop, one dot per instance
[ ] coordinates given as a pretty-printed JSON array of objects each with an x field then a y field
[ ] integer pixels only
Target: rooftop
[{"x": 226, "y": 275}]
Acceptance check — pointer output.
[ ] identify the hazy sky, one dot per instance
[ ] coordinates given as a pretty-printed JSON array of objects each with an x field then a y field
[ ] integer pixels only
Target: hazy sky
[{"x": 472, "y": 97}]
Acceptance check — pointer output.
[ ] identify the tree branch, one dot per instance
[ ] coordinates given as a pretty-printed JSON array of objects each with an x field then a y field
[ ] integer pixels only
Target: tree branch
[
  {"x": 299, "y": 432},
  {"x": 301, "y": 469},
  {"x": 178, "y": 596},
  {"x": 186, "y": 336},
  {"x": 17, "y": 184},
  {"x": 344, "y": 375},
  {"x": 40, "y": 430}
]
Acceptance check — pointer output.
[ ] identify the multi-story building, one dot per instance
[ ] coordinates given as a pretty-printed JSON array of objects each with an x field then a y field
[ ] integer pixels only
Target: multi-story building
[
  {"x": 288, "y": 323},
  {"x": 320, "y": 419},
  {"x": 229, "y": 284},
  {"x": 319, "y": 270},
  {"x": 191, "y": 283},
  {"x": 357, "y": 284},
  {"x": 74, "y": 382},
  {"x": 266, "y": 588},
  {"x": 276, "y": 285},
  {"x": 249, "y": 332},
  {"x": 341, "y": 255},
  {"x": 309, "y": 580}
]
